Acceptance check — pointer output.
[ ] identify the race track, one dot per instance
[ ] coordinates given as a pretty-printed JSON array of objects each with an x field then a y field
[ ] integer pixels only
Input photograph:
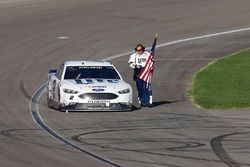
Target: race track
[{"x": 39, "y": 35}]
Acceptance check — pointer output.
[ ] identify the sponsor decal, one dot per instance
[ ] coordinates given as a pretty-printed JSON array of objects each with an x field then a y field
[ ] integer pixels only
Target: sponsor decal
[
  {"x": 107, "y": 104},
  {"x": 99, "y": 101},
  {"x": 98, "y": 90},
  {"x": 99, "y": 87},
  {"x": 91, "y": 67}
]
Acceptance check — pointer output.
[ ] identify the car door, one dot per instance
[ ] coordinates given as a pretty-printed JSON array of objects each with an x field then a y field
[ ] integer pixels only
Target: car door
[{"x": 56, "y": 84}]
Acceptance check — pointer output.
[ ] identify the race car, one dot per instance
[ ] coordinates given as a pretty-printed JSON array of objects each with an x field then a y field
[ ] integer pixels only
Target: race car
[{"x": 88, "y": 86}]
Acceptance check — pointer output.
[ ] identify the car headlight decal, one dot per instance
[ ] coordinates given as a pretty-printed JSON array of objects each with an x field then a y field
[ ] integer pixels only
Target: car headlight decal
[
  {"x": 70, "y": 91},
  {"x": 124, "y": 91}
]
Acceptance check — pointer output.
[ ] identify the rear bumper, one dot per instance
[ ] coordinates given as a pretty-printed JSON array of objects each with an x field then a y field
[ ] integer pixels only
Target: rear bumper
[{"x": 97, "y": 107}]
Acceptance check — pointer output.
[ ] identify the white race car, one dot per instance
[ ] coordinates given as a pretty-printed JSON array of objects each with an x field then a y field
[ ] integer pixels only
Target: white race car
[{"x": 86, "y": 86}]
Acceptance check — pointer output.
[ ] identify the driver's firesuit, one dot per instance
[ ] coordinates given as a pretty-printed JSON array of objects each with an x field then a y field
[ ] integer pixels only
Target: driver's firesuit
[{"x": 137, "y": 61}]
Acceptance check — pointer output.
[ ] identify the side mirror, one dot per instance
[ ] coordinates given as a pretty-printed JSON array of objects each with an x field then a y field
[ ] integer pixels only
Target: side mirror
[{"x": 52, "y": 71}]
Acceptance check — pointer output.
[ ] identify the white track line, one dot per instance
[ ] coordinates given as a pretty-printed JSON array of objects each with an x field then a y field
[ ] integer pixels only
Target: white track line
[
  {"x": 62, "y": 37},
  {"x": 166, "y": 59},
  {"x": 181, "y": 41}
]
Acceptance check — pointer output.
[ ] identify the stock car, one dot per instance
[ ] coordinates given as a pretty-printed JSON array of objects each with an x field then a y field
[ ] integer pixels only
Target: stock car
[{"x": 88, "y": 86}]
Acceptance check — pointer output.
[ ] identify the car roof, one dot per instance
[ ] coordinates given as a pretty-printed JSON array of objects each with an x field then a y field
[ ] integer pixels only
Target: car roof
[{"x": 88, "y": 63}]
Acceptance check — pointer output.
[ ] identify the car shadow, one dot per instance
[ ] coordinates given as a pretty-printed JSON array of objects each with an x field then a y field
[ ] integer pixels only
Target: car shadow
[{"x": 134, "y": 107}]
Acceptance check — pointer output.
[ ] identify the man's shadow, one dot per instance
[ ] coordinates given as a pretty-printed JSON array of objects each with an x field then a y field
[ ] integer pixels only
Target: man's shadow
[{"x": 154, "y": 104}]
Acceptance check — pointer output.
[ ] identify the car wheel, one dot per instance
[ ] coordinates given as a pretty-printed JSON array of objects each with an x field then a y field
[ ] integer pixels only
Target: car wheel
[{"x": 49, "y": 103}]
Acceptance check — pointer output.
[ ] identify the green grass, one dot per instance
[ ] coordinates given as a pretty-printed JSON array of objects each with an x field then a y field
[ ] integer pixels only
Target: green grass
[{"x": 224, "y": 83}]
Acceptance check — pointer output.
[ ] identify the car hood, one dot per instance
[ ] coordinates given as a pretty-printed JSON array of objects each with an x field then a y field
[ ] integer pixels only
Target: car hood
[{"x": 96, "y": 85}]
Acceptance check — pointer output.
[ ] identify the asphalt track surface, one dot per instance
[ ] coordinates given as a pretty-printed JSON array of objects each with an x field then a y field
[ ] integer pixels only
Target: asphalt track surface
[{"x": 39, "y": 35}]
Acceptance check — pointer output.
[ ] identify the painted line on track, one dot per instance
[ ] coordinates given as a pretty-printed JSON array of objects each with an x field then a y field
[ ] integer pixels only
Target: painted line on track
[
  {"x": 37, "y": 118},
  {"x": 181, "y": 41},
  {"x": 166, "y": 59},
  {"x": 62, "y": 37}
]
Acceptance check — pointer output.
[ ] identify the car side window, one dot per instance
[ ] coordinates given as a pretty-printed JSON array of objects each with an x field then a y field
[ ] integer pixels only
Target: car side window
[{"x": 60, "y": 71}]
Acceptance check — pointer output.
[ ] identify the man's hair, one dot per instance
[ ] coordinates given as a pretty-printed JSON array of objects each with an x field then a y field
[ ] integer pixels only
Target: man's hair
[{"x": 140, "y": 45}]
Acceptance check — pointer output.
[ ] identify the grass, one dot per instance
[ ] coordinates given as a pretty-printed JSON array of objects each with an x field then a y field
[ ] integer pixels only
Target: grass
[{"x": 224, "y": 83}]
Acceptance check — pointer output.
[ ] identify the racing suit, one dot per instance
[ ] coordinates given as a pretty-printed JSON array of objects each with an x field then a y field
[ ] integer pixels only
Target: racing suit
[{"x": 137, "y": 62}]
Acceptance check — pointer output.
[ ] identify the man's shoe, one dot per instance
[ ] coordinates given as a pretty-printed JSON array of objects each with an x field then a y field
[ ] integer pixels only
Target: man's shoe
[{"x": 150, "y": 105}]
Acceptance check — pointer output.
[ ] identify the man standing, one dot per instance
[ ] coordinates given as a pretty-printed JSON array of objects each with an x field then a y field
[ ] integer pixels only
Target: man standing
[{"x": 137, "y": 61}]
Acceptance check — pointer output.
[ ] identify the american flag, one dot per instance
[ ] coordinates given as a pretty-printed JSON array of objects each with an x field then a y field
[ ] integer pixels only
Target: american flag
[{"x": 147, "y": 70}]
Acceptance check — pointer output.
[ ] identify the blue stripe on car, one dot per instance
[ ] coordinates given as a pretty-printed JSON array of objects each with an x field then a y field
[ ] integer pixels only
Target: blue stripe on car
[
  {"x": 78, "y": 81},
  {"x": 100, "y": 80},
  {"x": 89, "y": 81}
]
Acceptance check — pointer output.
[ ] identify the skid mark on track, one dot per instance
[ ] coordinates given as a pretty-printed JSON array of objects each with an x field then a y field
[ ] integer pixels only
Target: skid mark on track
[
  {"x": 217, "y": 146},
  {"x": 182, "y": 145},
  {"x": 23, "y": 135},
  {"x": 24, "y": 91},
  {"x": 40, "y": 122}
]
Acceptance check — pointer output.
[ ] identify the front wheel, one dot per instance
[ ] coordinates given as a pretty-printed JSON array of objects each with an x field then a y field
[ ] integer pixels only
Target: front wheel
[
  {"x": 53, "y": 104},
  {"x": 49, "y": 103}
]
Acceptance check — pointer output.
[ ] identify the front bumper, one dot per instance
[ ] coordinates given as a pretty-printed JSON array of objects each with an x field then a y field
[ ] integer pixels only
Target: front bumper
[{"x": 97, "y": 107}]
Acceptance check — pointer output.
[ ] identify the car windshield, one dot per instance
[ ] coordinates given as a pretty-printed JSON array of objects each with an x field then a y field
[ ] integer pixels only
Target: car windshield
[{"x": 84, "y": 72}]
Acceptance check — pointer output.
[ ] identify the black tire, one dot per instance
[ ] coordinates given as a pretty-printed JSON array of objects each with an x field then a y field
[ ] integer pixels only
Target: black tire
[{"x": 49, "y": 103}]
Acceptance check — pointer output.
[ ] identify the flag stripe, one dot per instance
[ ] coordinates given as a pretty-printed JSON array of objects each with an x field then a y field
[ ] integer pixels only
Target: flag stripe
[
  {"x": 146, "y": 67},
  {"x": 146, "y": 77},
  {"x": 147, "y": 70},
  {"x": 144, "y": 70}
]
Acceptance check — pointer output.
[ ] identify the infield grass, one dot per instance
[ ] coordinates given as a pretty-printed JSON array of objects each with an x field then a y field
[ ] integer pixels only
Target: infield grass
[{"x": 223, "y": 84}]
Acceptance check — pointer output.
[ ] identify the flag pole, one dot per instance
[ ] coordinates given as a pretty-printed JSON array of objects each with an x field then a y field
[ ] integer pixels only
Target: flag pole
[
  {"x": 149, "y": 84},
  {"x": 153, "y": 47}
]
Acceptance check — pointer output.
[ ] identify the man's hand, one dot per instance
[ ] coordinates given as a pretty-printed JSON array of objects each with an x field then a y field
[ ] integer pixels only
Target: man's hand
[
  {"x": 132, "y": 65},
  {"x": 138, "y": 66}
]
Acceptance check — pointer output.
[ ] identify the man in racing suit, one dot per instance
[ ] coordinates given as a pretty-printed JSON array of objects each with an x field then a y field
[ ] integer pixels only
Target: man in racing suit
[{"x": 137, "y": 61}]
